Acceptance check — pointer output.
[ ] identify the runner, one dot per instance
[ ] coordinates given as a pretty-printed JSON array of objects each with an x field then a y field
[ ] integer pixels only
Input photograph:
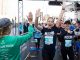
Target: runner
[
  {"x": 30, "y": 22},
  {"x": 20, "y": 28},
  {"x": 50, "y": 35},
  {"x": 37, "y": 38},
  {"x": 10, "y": 45},
  {"x": 67, "y": 38},
  {"x": 77, "y": 36}
]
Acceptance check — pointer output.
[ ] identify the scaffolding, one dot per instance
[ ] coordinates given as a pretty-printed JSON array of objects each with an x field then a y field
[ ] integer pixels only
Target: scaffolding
[{"x": 20, "y": 12}]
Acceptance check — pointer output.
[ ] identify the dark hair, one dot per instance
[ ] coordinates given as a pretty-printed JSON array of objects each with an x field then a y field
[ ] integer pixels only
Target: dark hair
[
  {"x": 67, "y": 22},
  {"x": 78, "y": 21}
]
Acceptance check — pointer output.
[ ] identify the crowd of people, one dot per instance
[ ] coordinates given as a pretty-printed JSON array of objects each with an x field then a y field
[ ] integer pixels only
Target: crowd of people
[
  {"x": 67, "y": 33},
  {"x": 64, "y": 31}
]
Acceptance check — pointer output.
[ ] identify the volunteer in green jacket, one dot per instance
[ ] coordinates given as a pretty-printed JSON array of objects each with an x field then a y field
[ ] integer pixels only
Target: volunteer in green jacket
[{"x": 10, "y": 45}]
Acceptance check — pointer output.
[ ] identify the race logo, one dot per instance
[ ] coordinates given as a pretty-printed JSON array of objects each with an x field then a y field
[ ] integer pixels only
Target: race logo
[
  {"x": 68, "y": 37},
  {"x": 49, "y": 33},
  {"x": 49, "y": 37}
]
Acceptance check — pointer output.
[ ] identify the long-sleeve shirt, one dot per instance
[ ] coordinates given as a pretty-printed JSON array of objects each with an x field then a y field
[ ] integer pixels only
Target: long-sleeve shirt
[
  {"x": 66, "y": 38},
  {"x": 10, "y": 46}
]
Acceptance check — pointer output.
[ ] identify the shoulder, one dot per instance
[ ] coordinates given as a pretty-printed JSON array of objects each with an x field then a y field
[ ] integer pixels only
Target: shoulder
[
  {"x": 54, "y": 28},
  {"x": 10, "y": 38},
  {"x": 43, "y": 30}
]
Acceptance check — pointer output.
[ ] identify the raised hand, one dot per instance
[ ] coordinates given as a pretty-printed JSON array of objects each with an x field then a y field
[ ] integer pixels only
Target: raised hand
[
  {"x": 38, "y": 13},
  {"x": 30, "y": 15},
  {"x": 62, "y": 12},
  {"x": 64, "y": 4}
]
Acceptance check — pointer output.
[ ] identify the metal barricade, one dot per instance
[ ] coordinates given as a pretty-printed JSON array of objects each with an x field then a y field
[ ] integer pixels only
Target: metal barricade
[{"x": 24, "y": 50}]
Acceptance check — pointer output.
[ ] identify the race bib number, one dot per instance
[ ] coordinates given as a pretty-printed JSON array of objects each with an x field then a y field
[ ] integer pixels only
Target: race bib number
[
  {"x": 48, "y": 40},
  {"x": 68, "y": 43}
]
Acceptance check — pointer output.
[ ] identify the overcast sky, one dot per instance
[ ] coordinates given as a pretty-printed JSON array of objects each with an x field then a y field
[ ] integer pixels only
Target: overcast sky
[{"x": 10, "y": 8}]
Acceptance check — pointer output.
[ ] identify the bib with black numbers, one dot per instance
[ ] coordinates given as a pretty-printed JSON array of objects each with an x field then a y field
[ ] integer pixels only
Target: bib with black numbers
[
  {"x": 68, "y": 41},
  {"x": 49, "y": 38}
]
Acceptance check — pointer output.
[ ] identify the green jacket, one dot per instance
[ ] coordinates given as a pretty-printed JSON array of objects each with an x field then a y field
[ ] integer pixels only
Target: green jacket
[{"x": 10, "y": 46}]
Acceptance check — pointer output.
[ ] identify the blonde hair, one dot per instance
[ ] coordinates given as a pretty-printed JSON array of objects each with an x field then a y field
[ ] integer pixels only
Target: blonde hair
[{"x": 50, "y": 18}]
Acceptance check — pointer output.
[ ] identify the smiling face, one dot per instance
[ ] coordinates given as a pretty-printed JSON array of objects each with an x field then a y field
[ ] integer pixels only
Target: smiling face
[
  {"x": 62, "y": 24},
  {"x": 50, "y": 21},
  {"x": 58, "y": 23},
  {"x": 67, "y": 24},
  {"x": 78, "y": 25}
]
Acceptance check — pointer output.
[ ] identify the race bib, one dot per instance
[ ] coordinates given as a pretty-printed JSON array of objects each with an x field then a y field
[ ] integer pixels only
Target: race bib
[
  {"x": 48, "y": 40},
  {"x": 35, "y": 40},
  {"x": 68, "y": 43},
  {"x": 37, "y": 35},
  {"x": 77, "y": 33}
]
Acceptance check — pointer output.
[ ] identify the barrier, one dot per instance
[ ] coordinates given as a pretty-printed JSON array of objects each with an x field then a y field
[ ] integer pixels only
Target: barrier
[
  {"x": 28, "y": 49},
  {"x": 24, "y": 50}
]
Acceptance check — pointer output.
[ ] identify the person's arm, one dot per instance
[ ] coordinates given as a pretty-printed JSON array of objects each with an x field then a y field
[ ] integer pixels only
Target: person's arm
[
  {"x": 63, "y": 33},
  {"x": 36, "y": 20},
  {"x": 61, "y": 14},
  {"x": 24, "y": 38}
]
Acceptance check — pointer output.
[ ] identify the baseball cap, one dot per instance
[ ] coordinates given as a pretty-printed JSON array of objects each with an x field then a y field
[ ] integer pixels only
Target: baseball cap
[
  {"x": 67, "y": 22},
  {"x": 4, "y": 22},
  {"x": 71, "y": 27}
]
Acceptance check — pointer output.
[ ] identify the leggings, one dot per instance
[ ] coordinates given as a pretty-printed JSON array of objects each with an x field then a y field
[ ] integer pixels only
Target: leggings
[
  {"x": 48, "y": 53},
  {"x": 67, "y": 51},
  {"x": 38, "y": 42}
]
